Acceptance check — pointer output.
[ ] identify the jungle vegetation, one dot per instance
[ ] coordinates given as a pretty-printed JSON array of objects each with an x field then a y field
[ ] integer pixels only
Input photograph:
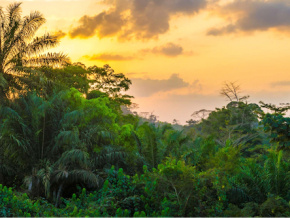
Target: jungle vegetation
[{"x": 67, "y": 148}]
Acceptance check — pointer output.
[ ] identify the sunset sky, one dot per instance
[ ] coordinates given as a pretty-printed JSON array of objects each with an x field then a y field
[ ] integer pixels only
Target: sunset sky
[{"x": 178, "y": 53}]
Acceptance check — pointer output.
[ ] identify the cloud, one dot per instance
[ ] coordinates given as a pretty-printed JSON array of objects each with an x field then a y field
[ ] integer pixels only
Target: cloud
[
  {"x": 48, "y": 0},
  {"x": 170, "y": 49},
  {"x": 60, "y": 34},
  {"x": 105, "y": 23},
  {"x": 133, "y": 74},
  {"x": 148, "y": 87},
  {"x": 138, "y": 19},
  {"x": 253, "y": 15},
  {"x": 108, "y": 57},
  {"x": 281, "y": 83}
]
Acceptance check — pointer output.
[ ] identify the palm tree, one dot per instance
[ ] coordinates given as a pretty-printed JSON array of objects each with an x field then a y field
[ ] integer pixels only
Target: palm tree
[
  {"x": 255, "y": 181},
  {"x": 176, "y": 143},
  {"x": 150, "y": 140},
  {"x": 277, "y": 174},
  {"x": 19, "y": 50}
]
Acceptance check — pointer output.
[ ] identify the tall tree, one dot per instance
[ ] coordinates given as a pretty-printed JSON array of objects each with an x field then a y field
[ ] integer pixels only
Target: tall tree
[
  {"x": 105, "y": 79},
  {"x": 232, "y": 91},
  {"x": 277, "y": 124}
]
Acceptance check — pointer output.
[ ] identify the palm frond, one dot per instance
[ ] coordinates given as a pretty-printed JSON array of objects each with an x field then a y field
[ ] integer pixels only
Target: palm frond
[
  {"x": 49, "y": 59},
  {"x": 72, "y": 118},
  {"x": 165, "y": 128},
  {"x": 74, "y": 157},
  {"x": 45, "y": 176},
  {"x": 17, "y": 51},
  {"x": 14, "y": 11},
  {"x": 138, "y": 141},
  {"x": 109, "y": 155},
  {"x": 252, "y": 178},
  {"x": 85, "y": 176},
  {"x": 39, "y": 44},
  {"x": 6, "y": 169},
  {"x": 67, "y": 137},
  {"x": 245, "y": 139},
  {"x": 60, "y": 174},
  {"x": 31, "y": 24},
  {"x": 3, "y": 81},
  {"x": 276, "y": 172}
]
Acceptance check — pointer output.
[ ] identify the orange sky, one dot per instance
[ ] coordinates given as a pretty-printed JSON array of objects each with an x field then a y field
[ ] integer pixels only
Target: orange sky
[{"x": 178, "y": 53}]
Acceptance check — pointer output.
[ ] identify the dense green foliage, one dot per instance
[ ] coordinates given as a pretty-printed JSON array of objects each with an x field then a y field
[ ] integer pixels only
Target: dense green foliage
[
  {"x": 67, "y": 149},
  {"x": 277, "y": 125}
]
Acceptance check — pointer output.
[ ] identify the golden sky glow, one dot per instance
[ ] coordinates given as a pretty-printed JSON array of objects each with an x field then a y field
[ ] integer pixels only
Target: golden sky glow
[{"x": 178, "y": 53}]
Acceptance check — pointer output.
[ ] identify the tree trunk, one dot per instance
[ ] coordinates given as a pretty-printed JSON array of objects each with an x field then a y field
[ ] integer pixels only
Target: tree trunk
[
  {"x": 54, "y": 195},
  {"x": 1, "y": 177},
  {"x": 1, "y": 173},
  {"x": 58, "y": 195},
  {"x": 43, "y": 131},
  {"x": 35, "y": 186}
]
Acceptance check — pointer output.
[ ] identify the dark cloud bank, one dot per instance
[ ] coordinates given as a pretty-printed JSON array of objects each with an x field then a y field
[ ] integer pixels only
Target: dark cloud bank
[
  {"x": 255, "y": 15},
  {"x": 147, "y": 19},
  {"x": 139, "y": 19}
]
